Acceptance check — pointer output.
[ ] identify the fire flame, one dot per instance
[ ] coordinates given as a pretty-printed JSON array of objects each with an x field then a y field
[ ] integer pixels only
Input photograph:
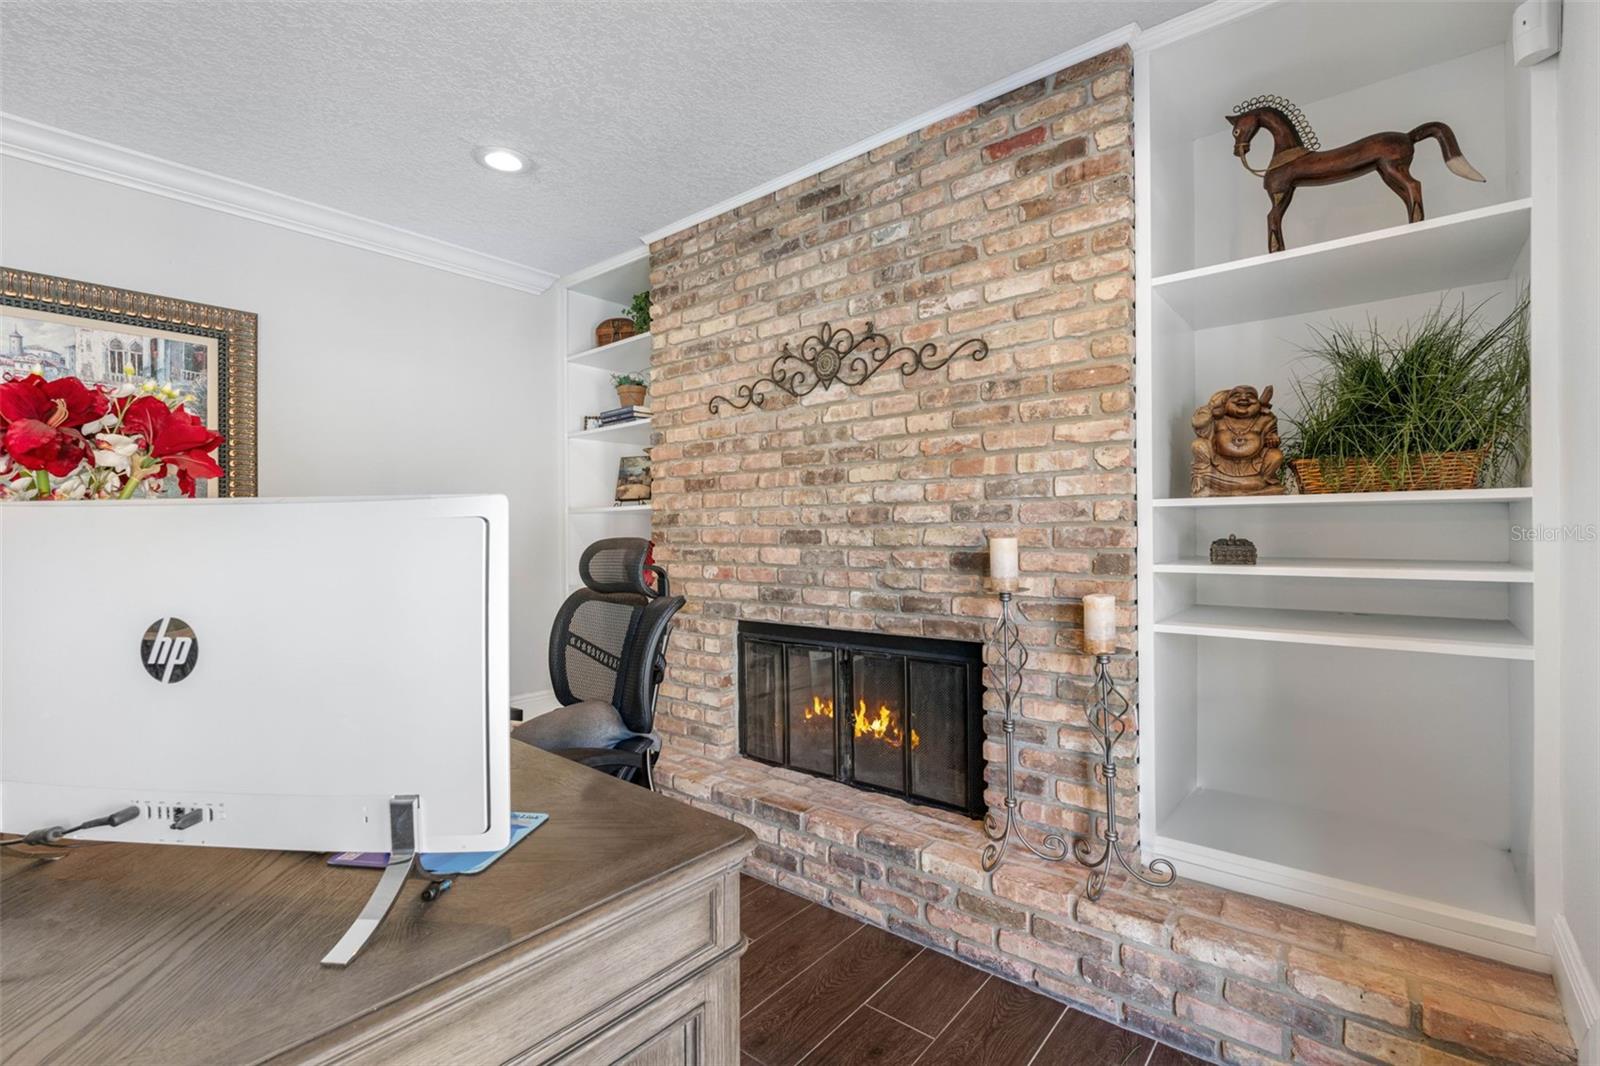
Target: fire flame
[{"x": 883, "y": 726}]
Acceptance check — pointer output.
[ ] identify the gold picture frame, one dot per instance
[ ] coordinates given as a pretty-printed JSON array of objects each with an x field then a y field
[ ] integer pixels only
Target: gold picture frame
[{"x": 233, "y": 334}]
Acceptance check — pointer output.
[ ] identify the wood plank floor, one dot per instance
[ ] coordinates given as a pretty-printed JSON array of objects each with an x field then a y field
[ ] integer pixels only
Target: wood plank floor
[{"x": 821, "y": 989}]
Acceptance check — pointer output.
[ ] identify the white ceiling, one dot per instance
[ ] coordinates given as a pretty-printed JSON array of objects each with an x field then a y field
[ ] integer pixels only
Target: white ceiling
[{"x": 636, "y": 113}]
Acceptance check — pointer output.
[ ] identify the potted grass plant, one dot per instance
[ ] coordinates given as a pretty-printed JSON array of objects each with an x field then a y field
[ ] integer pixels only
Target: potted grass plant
[{"x": 1441, "y": 405}]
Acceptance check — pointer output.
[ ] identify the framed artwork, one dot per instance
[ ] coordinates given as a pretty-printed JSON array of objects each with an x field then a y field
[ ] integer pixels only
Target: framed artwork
[
  {"x": 108, "y": 336},
  {"x": 633, "y": 479}
]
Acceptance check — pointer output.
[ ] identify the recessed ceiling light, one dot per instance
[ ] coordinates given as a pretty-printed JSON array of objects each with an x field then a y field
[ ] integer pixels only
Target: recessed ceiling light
[{"x": 504, "y": 160}]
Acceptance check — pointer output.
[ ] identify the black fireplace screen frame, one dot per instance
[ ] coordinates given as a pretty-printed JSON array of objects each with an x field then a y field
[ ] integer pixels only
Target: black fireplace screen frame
[{"x": 846, "y": 648}]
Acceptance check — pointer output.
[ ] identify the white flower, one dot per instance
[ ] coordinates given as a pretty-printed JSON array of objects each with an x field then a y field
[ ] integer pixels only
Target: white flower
[
  {"x": 75, "y": 487},
  {"x": 114, "y": 450},
  {"x": 22, "y": 488},
  {"x": 125, "y": 389},
  {"x": 89, "y": 429}
]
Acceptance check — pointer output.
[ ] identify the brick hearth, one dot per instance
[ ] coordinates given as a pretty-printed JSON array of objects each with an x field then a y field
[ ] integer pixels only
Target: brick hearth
[{"x": 867, "y": 509}]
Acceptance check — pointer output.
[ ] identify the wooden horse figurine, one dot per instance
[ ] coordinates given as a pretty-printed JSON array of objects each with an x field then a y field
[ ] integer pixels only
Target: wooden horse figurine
[{"x": 1298, "y": 158}]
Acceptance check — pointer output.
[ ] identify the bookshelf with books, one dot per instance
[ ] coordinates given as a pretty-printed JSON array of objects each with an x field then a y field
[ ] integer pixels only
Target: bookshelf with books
[{"x": 606, "y": 442}]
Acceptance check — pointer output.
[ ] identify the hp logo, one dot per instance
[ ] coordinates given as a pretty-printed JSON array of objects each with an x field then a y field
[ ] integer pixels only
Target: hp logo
[{"x": 169, "y": 650}]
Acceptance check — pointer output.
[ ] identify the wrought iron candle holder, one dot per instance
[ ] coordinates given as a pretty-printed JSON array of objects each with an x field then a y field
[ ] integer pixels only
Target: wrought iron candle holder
[
  {"x": 1006, "y": 673},
  {"x": 1107, "y": 720},
  {"x": 1107, "y": 716}
]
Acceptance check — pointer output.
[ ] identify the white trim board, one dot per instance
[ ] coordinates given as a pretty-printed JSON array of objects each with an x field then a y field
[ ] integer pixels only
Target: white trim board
[
  {"x": 1580, "y": 997},
  {"x": 1105, "y": 42},
  {"x": 34, "y": 142}
]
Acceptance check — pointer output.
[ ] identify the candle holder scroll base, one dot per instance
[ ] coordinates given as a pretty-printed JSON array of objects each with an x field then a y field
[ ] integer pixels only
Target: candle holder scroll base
[
  {"x": 1006, "y": 677},
  {"x": 1107, "y": 716},
  {"x": 1107, "y": 720}
]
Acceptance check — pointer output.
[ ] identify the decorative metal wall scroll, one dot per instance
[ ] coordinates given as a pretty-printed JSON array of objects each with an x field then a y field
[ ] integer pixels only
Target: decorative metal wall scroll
[{"x": 840, "y": 355}]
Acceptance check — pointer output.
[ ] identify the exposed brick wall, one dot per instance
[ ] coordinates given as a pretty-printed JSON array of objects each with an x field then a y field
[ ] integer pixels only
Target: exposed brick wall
[
  {"x": 1225, "y": 976},
  {"x": 867, "y": 509}
]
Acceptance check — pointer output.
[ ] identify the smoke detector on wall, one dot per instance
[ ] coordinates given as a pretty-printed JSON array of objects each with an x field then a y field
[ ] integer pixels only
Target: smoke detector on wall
[{"x": 1535, "y": 31}]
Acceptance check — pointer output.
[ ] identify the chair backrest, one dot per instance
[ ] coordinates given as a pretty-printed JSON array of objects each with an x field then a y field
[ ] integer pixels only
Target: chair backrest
[{"x": 609, "y": 638}]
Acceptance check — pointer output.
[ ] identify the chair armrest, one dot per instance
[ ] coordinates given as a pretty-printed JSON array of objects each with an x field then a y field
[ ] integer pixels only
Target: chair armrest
[{"x": 603, "y": 758}]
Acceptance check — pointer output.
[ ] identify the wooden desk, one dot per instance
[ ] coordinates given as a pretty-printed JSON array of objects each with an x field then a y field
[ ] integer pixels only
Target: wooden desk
[{"x": 609, "y": 935}]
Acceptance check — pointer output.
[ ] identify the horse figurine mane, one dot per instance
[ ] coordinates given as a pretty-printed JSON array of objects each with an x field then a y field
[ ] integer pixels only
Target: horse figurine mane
[
  {"x": 1291, "y": 114},
  {"x": 1298, "y": 157}
]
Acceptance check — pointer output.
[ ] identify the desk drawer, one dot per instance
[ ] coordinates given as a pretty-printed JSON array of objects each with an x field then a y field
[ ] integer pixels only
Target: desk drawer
[
  {"x": 693, "y": 1024},
  {"x": 549, "y": 999}
]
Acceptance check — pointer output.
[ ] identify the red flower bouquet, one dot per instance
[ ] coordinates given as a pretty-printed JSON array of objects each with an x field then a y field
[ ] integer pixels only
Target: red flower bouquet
[{"x": 64, "y": 440}]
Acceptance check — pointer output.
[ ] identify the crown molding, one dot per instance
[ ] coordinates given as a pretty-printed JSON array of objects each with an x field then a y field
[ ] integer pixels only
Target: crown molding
[
  {"x": 1190, "y": 23},
  {"x": 34, "y": 142},
  {"x": 605, "y": 266},
  {"x": 1123, "y": 35}
]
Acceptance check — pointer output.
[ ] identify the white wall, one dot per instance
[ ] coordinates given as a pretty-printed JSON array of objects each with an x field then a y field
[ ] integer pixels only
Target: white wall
[
  {"x": 1577, "y": 170},
  {"x": 376, "y": 375}
]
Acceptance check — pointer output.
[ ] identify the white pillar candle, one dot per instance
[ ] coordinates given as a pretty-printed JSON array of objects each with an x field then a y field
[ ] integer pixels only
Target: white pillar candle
[
  {"x": 1099, "y": 624},
  {"x": 1003, "y": 558}
]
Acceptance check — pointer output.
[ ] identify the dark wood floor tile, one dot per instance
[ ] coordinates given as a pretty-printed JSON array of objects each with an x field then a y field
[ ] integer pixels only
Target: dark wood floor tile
[
  {"x": 746, "y": 1060},
  {"x": 1083, "y": 1040},
  {"x": 763, "y": 907},
  {"x": 789, "y": 948},
  {"x": 1002, "y": 1026},
  {"x": 792, "y": 1022},
  {"x": 927, "y": 994},
  {"x": 1170, "y": 1056},
  {"x": 868, "y": 1038}
]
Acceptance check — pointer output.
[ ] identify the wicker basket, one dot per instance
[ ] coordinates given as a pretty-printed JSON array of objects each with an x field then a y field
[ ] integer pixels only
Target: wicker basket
[
  {"x": 612, "y": 330},
  {"x": 1430, "y": 471}
]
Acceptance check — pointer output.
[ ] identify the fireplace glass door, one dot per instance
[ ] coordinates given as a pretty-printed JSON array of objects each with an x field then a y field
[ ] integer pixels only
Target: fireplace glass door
[
  {"x": 877, "y": 733},
  {"x": 813, "y": 736},
  {"x": 883, "y": 713}
]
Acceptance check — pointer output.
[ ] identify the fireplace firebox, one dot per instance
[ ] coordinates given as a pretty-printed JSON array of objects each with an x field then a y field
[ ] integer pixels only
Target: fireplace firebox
[{"x": 885, "y": 713}]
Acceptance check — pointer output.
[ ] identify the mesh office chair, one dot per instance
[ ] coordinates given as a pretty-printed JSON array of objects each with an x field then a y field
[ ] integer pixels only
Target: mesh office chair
[{"x": 607, "y": 658}]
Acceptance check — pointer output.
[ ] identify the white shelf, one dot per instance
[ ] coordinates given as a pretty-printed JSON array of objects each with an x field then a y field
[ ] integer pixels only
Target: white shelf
[
  {"x": 631, "y": 353},
  {"x": 1466, "y": 248},
  {"x": 1369, "y": 569},
  {"x": 1402, "y": 878},
  {"x": 1351, "y": 498},
  {"x": 626, "y": 508},
  {"x": 1482, "y": 638},
  {"x": 635, "y": 432}
]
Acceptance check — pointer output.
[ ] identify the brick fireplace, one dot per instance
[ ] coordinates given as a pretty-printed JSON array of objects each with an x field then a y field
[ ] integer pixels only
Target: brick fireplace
[
  {"x": 899, "y": 715},
  {"x": 865, "y": 510}
]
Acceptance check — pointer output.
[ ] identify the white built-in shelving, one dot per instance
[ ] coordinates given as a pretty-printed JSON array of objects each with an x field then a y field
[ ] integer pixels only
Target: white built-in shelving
[
  {"x": 593, "y": 453},
  {"x": 1357, "y": 569},
  {"x": 1362, "y": 722},
  {"x": 635, "y": 432}
]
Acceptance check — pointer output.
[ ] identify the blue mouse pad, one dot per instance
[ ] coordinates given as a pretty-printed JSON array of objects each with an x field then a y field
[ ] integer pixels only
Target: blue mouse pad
[{"x": 449, "y": 862}]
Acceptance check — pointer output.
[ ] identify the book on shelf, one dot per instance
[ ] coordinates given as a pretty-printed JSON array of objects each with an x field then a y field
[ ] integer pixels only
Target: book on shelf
[{"x": 614, "y": 418}]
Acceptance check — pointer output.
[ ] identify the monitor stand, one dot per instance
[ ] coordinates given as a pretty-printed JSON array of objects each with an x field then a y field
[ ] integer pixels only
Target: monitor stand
[{"x": 402, "y": 853}]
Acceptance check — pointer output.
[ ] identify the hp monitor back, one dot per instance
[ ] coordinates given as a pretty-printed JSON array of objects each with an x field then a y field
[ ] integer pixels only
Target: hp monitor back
[{"x": 283, "y": 667}]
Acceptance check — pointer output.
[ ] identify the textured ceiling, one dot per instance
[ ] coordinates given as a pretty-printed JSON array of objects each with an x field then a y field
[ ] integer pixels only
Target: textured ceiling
[{"x": 635, "y": 113}]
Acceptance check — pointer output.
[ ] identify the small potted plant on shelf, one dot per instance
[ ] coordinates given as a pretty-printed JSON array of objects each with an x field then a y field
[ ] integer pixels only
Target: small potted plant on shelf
[
  {"x": 639, "y": 311},
  {"x": 630, "y": 388},
  {"x": 1441, "y": 405}
]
